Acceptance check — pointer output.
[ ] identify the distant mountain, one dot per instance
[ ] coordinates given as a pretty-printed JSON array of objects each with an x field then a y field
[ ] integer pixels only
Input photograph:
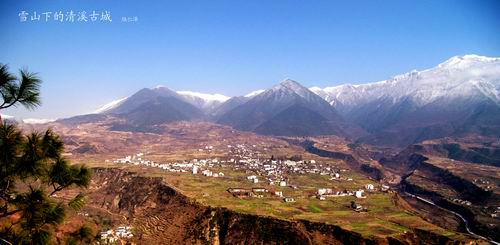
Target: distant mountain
[
  {"x": 5, "y": 117},
  {"x": 143, "y": 110},
  {"x": 205, "y": 102},
  {"x": 288, "y": 108},
  {"x": 156, "y": 106},
  {"x": 13, "y": 119},
  {"x": 8, "y": 118},
  {"x": 162, "y": 109},
  {"x": 142, "y": 96},
  {"x": 459, "y": 96}
]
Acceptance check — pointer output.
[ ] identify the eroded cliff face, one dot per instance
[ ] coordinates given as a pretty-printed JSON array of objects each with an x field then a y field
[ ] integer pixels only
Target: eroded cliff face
[
  {"x": 353, "y": 162},
  {"x": 440, "y": 182},
  {"x": 160, "y": 214}
]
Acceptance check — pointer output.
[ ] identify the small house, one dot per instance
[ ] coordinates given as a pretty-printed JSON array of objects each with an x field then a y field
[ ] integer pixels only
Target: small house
[{"x": 359, "y": 194}]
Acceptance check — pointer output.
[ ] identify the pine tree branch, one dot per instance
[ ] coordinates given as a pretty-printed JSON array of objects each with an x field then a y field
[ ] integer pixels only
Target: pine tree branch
[
  {"x": 5, "y": 241},
  {"x": 57, "y": 189},
  {"x": 5, "y": 214}
]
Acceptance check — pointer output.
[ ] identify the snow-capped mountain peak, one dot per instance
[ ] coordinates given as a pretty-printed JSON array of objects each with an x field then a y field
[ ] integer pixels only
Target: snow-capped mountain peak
[
  {"x": 460, "y": 77},
  {"x": 159, "y": 86},
  {"x": 461, "y": 62},
  {"x": 291, "y": 86},
  {"x": 205, "y": 97}
]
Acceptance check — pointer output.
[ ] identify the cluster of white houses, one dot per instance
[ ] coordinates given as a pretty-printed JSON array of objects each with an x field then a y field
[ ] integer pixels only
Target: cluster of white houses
[
  {"x": 483, "y": 183},
  {"x": 258, "y": 192},
  {"x": 113, "y": 235},
  {"x": 272, "y": 172},
  {"x": 463, "y": 202},
  {"x": 323, "y": 193},
  {"x": 194, "y": 166}
]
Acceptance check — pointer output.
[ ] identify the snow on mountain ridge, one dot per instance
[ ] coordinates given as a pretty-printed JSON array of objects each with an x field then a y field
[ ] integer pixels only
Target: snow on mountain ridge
[
  {"x": 27, "y": 120},
  {"x": 110, "y": 105},
  {"x": 288, "y": 86},
  {"x": 469, "y": 76},
  {"x": 206, "y": 97},
  {"x": 466, "y": 60},
  {"x": 254, "y": 93},
  {"x": 5, "y": 116},
  {"x": 37, "y": 120}
]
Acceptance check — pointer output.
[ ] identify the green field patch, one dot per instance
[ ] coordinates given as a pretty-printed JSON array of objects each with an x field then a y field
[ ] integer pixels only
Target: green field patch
[{"x": 314, "y": 209}]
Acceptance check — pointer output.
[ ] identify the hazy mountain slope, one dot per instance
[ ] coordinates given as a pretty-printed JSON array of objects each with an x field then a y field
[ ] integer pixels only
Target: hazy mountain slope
[
  {"x": 81, "y": 119},
  {"x": 162, "y": 110},
  {"x": 228, "y": 105},
  {"x": 155, "y": 106},
  {"x": 309, "y": 123},
  {"x": 142, "y": 96}
]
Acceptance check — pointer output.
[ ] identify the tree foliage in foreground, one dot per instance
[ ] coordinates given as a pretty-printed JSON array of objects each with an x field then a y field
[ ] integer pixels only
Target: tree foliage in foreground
[
  {"x": 33, "y": 171},
  {"x": 15, "y": 91}
]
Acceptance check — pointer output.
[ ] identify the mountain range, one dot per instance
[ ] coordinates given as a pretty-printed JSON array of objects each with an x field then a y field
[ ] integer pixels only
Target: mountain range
[{"x": 458, "y": 97}]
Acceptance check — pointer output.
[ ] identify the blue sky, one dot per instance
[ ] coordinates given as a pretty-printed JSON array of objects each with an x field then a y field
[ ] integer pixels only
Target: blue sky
[{"x": 233, "y": 47}]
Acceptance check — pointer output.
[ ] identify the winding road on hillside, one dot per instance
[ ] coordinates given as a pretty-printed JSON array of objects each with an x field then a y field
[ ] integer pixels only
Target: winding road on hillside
[{"x": 466, "y": 223}]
